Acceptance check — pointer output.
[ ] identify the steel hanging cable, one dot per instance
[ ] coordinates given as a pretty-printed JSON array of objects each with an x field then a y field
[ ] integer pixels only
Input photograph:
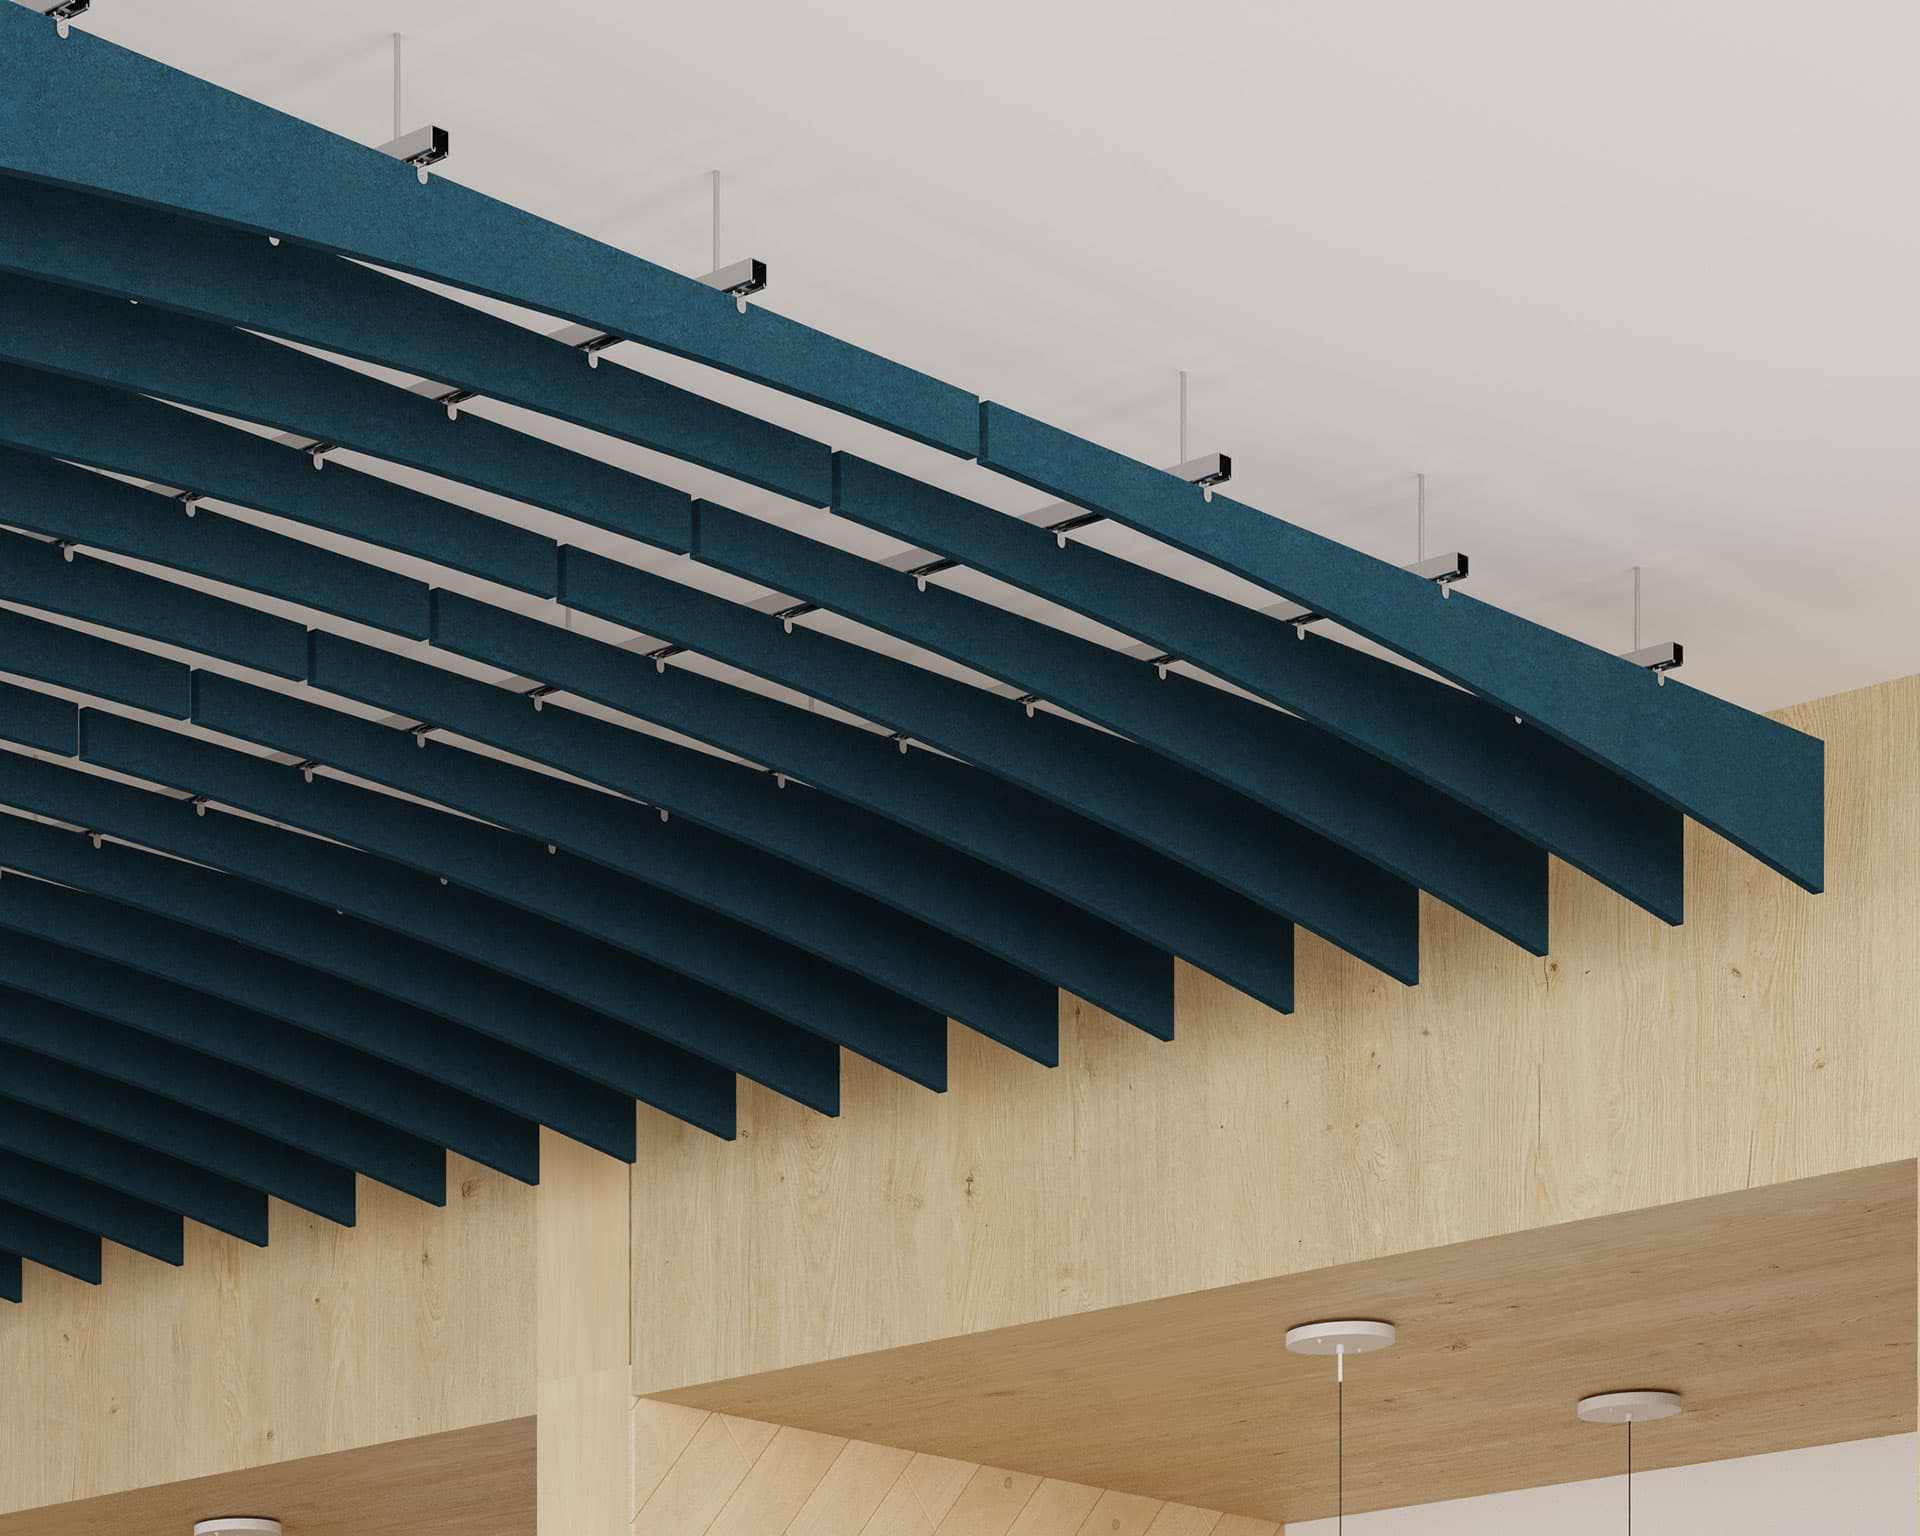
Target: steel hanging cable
[
  {"x": 1420, "y": 517},
  {"x": 1340, "y": 1439}
]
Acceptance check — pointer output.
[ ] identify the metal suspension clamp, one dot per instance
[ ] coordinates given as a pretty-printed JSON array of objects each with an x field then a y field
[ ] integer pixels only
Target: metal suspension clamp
[
  {"x": 420, "y": 148},
  {"x": 63, "y": 12},
  {"x": 920, "y": 573},
  {"x": 1668, "y": 656},
  {"x": 587, "y": 340},
  {"x": 739, "y": 278}
]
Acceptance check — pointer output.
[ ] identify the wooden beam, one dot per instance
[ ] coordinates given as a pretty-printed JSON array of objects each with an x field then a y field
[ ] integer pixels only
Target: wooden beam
[{"x": 582, "y": 1351}]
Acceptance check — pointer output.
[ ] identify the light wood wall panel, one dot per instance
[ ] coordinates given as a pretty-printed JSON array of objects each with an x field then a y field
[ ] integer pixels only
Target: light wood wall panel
[
  {"x": 416, "y": 1321},
  {"x": 1776, "y": 1035},
  {"x": 738, "y": 1477}
]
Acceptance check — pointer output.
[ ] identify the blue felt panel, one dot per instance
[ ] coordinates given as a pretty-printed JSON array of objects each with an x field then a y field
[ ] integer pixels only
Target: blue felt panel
[
  {"x": 782, "y": 901},
  {"x": 321, "y": 300},
  {"x": 923, "y": 879},
  {"x": 1145, "y": 804},
  {"x": 718, "y": 873},
  {"x": 10, "y": 1277},
  {"x": 1758, "y": 783},
  {"x": 63, "y": 502},
  {"x": 110, "y": 429},
  {"x": 53, "y": 653},
  {"x": 1519, "y": 777},
  {"x": 1271, "y": 758},
  {"x": 218, "y": 1116},
  {"x": 763, "y": 974},
  {"x": 109, "y": 1213},
  {"x": 580, "y": 1105},
  {"x": 38, "y": 720},
  {"x": 48, "y": 1242},
  {"x": 1068, "y": 857},
  {"x": 264, "y": 171},
  {"x": 508, "y": 869},
  {"x": 192, "y": 1161},
  {"x": 36, "y": 575},
  {"x": 457, "y": 980},
  {"x": 213, "y": 367},
  {"x": 171, "y": 981}
]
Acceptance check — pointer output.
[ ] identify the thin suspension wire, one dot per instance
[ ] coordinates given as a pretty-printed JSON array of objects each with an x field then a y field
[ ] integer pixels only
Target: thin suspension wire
[
  {"x": 716, "y": 221},
  {"x": 1340, "y": 1438},
  {"x": 397, "y": 129},
  {"x": 1630, "y": 1421},
  {"x": 1183, "y": 416},
  {"x": 1636, "y": 646},
  {"x": 1420, "y": 499}
]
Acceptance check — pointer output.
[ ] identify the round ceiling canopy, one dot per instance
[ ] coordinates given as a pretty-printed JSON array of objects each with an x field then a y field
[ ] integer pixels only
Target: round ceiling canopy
[
  {"x": 1340, "y": 1336},
  {"x": 1628, "y": 1407}
]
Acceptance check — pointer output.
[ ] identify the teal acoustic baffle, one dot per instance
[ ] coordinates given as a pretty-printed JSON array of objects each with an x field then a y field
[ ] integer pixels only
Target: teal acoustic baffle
[{"x": 418, "y": 731}]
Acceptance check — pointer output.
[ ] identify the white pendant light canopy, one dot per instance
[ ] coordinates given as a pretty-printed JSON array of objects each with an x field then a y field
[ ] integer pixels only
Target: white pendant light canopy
[
  {"x": 1639, "y": 1407},
  {"x": 1340, "y": 1337}
]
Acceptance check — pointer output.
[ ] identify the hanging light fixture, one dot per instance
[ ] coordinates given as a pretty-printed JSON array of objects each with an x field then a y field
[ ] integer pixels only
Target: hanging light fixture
[
  {"x": 1628, "y": 1408},
  {"x": 1340, "y": 1338}
]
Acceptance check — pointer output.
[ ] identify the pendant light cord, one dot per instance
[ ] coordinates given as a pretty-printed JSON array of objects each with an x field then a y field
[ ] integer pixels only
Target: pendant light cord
[
  {"x": 1340, "y": 1441},
  {"x": 1630, "y": 1438}
]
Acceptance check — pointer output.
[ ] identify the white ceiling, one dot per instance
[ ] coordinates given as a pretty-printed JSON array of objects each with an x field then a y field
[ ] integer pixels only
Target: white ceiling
[{"x": 1632, "y": 285}]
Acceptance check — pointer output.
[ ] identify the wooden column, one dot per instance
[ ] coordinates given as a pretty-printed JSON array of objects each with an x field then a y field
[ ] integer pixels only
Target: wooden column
[{"x": 583, "y": 1349}]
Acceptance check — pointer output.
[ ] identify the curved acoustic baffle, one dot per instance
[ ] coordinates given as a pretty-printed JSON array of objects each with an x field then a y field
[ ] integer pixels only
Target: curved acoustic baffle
[
  {"x": 97, "y": 1210},
  {"x": 227, "y": 972},
  {"x": 1232, "y": 843},
  {"x": 1084, "y": 948},
  {"x": 415, "y": 959},
  {"x": 1535, "y": 787},
  {"x": 197, "y": 1160},
  {"x": 200, "y": 1110}
]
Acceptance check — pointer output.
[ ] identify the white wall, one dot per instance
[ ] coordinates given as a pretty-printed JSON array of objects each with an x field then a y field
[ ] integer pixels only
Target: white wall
[{"x": 1857, "y": 1488}]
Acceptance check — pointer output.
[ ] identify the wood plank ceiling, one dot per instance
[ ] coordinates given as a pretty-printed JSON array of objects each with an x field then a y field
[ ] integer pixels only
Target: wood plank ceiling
[{"x": 1785, "y": 1316}]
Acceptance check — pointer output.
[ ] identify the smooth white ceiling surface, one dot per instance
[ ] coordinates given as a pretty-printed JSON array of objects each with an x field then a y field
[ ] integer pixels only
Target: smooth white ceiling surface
[
  {"x": 1855, "y": 1488},
  {"x": 1633, "y": 286}
]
